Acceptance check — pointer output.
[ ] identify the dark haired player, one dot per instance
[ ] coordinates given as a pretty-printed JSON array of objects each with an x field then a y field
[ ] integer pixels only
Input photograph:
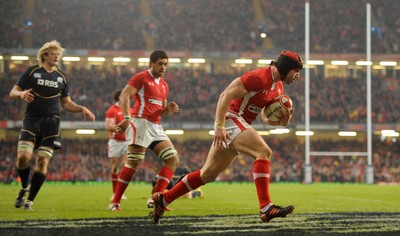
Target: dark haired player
[
  {"x": 118, "y": 142},
  {"x": 150, "y": 91},
  {"x": 238, "y": 106}
]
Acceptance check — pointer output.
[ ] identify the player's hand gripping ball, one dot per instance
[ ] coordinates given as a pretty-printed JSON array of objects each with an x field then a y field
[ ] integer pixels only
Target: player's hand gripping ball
[{"x": 281, "y": 103}]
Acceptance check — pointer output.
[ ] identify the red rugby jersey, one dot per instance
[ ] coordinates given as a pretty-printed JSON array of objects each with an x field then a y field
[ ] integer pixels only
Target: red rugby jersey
[
  {"x": 150, "y": 96},
  {"x": 261, "y": 91},
  {"x": 115, "y": 112}
]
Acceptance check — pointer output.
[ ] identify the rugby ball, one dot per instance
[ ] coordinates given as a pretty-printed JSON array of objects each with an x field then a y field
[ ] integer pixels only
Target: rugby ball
[{"x": 282, "y": 102}]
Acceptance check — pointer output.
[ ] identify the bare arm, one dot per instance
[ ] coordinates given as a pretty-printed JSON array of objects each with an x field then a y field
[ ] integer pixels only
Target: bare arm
[
  {"x": 172, "y": 107},
  {"x": 124, "y": 101},
  {"x": 110, "y": 124},
  {"x": 26, "y": 95},
  {"x": 71, "y": 106},
  {"x": 234, "y": 90}
]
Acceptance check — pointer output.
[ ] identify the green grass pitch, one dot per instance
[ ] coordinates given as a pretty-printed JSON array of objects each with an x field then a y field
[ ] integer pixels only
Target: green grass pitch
[{"x": 328, "y": 207}]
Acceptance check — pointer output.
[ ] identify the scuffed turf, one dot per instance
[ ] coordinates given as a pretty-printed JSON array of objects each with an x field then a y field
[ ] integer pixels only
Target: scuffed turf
[{"x": 360, "y": 223}]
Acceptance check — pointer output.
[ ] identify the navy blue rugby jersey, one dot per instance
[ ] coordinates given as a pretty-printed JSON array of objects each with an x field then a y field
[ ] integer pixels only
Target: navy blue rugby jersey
[{"x": 48, "y": 88}]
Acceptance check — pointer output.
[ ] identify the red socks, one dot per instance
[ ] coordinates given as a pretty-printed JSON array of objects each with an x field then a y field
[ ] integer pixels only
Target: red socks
[
  {"x": 188, "y": 183},
  {"x": 164, "y": 177},
  {"x": 123, "y": 181},
  {"x": 261, "y": 175},
  {"x": 114, "y": 179}
]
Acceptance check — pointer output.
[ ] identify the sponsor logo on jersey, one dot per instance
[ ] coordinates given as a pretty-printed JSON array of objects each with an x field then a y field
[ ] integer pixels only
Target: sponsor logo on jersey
[
  {"x": 37, "y": 75},
  {"x": 254, "y": 109},
  {"x": 47, "y": 83},
  {"x": 60, "y": 80},
  {"x": 154, "y": 101}
]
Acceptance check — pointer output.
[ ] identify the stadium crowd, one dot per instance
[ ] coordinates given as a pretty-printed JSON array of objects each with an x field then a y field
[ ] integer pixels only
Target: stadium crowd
[
  {"x": 336, "y": 26},
  {"x": 87, "y": 161},
  {"x": 179, "y": 26},
  {"x": 332, "y": 100}
]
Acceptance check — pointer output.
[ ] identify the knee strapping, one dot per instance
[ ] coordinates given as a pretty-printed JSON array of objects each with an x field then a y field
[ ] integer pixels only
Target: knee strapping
[
  {"x": 167, "y": 153},
  {"x": 135, "y": 156},
  {"x": 45, "y": 151},
  {"x": 25, "y": 147}
]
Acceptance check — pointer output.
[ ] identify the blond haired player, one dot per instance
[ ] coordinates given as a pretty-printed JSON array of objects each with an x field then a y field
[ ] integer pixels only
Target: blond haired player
[
  {"x": 238, "y": 106},
  {"x": 44, "y": 87},
  {"x": 150, "y": 92}
]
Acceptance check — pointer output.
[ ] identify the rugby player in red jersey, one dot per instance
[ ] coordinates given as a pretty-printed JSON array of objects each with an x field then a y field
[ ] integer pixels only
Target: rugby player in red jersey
[
  {"x": 118, "y": 142},
  {"x": 237, "y": 107},
  {"x": 150, "y": 92}
]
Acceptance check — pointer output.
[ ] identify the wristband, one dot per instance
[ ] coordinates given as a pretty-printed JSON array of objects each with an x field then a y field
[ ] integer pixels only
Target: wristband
[
  {"x": 219, "y": 126},
  {"x": 127, "y": 117}
]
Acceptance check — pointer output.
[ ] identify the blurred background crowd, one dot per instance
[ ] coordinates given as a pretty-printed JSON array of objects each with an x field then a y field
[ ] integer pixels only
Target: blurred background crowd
[
  {"x": 234, "y": 25},
  {"x": 210, "y": 26},
  {"x": 332, "y": 100},
  {"x": 87, "y": 161}
]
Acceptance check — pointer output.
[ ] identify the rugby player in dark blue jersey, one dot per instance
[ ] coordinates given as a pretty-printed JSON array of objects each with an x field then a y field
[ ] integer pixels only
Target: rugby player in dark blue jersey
[{"x": 44, "y": 88}]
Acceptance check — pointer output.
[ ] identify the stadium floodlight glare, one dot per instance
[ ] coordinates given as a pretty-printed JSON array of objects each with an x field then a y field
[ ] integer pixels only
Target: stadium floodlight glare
[
  {"x": 279, "y": 131},
  {"x": 388, "y": 63},
  {"x": 174, "y": 60},
  {"x": 85, "y": 131},
  {"x": 363, "y": 63},
  {"x": 347, "y": 133},
  {"x": 304, "y": 133},
  {"x": 263, "y": 35},
  {"x": 263, "y": 133},
  {"x": 389, "y": 133},
  {"x": 243, "y": 61},
  {"x": 377, "y": 67},
  {"x": 121, "y": 59},
  {"x": 196, "y": 60},
  {"x": 315, "y": 62},
  {"x": 71, "y": 58},
  {"x": 174, "y": 132},
  {"x": 1, "y": 57},
  {"x": 19, "y": 58},
  {"x": 97, "y": 59},
  {"x": 339, "y": 63},
  {"x": 264, "y": 61},
  {"x": 143, "y": 60}
]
